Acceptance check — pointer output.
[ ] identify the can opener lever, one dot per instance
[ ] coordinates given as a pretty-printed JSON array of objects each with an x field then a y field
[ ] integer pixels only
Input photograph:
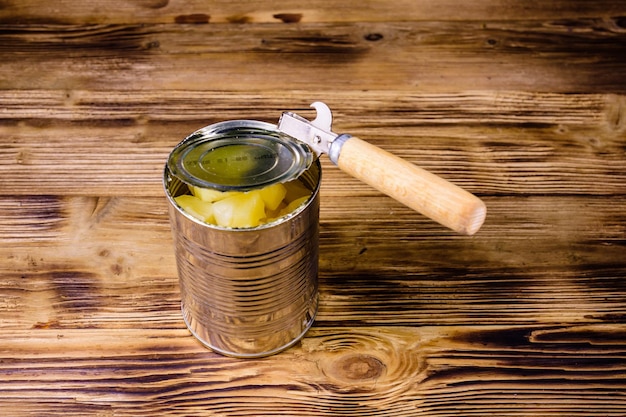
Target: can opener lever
[{"x": 425, "y": 192}]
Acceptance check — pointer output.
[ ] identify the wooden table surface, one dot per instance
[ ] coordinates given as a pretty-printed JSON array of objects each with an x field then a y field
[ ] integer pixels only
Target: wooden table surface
[{"x": 522, "y": 103}]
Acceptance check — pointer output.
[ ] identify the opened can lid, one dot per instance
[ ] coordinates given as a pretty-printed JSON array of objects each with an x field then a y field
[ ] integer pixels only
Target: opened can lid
[{"x": 239, "y": 155}]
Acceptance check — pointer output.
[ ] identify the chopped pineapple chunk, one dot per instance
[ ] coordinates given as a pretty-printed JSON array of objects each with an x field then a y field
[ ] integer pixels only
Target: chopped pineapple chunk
[
  {"x": 240, "y": 210},
  {"x": 199, "y": 209},
  {"x": 273, "y": 195},
  {"x": 293, "y": 205},
  {"x": 244, "y": 209},
  {"x": 210, "y": 195}
]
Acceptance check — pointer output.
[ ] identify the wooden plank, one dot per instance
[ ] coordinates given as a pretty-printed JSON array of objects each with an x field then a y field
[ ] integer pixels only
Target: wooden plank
[
  {"x": 289, "y": 11},
  {"x": 407, "y": 56},
  {"x": 493, "y": 143},
  {"x": 431, "y": 371},
  {"x": 80, "y": 262}
]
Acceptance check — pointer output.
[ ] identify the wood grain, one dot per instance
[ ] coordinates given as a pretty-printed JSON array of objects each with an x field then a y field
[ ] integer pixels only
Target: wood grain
[
  {"x": 521, "y": 103},
  {"x": 81, "y": 260},
  {"x": 428, "y": 56},
  {"x": 264, "y": 11},
  {"x": 334, "y": 372},
  {"x": 502, "y": 143}
]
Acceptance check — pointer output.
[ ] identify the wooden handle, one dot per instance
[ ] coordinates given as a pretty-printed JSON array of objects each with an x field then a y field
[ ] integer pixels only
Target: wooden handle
[{"x": 421, "y": 190}]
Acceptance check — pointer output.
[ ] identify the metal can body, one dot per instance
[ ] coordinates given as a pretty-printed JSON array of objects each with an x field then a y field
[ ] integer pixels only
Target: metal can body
[{"x": 248, "y": 292}]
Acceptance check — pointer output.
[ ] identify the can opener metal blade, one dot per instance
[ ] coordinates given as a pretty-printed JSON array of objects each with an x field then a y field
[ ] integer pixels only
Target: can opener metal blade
[{"x": 427, "y": 193}]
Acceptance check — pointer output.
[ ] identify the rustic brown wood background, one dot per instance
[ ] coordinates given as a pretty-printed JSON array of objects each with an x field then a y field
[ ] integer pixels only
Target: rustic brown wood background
[{"x": 520, "y": 102}]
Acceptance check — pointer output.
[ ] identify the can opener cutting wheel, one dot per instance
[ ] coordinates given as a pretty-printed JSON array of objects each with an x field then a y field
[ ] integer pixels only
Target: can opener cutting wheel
[{"x": 427, "y": 193}]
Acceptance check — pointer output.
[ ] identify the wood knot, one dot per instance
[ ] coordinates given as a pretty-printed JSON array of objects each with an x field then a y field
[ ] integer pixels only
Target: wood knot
[
  {"x": 289, "y": 17},
  {"x": 152, "y": 4},
  {"x": 358, "y": 367},
  {"x": 194, "y": 18},
  {"x": 373, "y": 37},
  {"x": 620, "y": 21}
]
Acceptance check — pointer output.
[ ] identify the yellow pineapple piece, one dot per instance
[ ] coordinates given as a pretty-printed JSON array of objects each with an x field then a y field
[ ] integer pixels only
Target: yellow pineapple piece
[
  {"x": 210, "y": 195},
  {"x": 293, "y": 205},
  {"x": 199, "y": 209},
  {"x": 239, "y": 210},
  {"x": 273, "y": 195},
  {"x": 244, "y": 209}
]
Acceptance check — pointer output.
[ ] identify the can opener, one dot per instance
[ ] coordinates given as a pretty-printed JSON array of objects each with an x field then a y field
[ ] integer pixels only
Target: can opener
[{"x": 427, "y": 193}]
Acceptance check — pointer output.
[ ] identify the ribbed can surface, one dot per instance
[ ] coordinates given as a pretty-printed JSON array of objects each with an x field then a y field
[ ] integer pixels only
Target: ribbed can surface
[{"x": 248, "y": 292}]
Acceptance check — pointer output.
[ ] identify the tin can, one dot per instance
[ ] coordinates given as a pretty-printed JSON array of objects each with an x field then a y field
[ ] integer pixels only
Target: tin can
[{"x": 252, "y": 291}]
